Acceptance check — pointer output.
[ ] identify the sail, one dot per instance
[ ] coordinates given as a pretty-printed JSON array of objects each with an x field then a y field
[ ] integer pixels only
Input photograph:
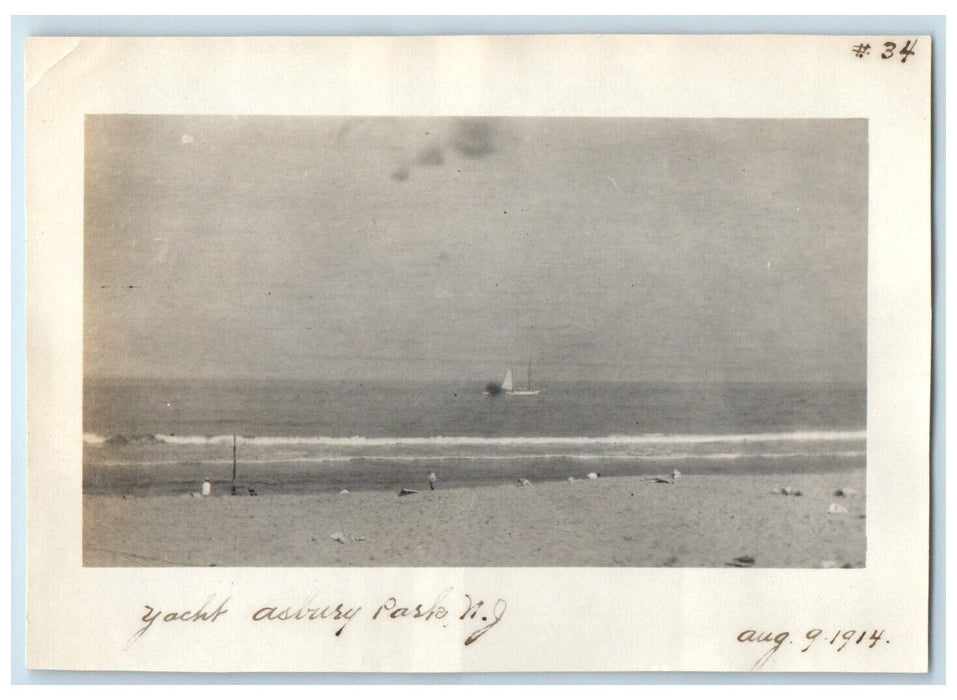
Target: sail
[{"x": 507, "y": 382}]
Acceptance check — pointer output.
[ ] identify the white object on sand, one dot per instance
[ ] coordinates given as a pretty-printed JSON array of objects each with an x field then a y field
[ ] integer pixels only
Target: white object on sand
[
  {"x": 344, "y": 492},
  {"x": 592, "y": 475},
  {"x": 338, "y": 537},
  {"x": 836, "y": 509},
  {"x": 207, "y": 488},
  {"x": 571, "y": 480},
  {"x": 675, "y": 474},
  {"x": 524, "y": 482}
]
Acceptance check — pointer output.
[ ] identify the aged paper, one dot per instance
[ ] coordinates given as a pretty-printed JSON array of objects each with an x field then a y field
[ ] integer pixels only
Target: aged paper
[{"x": 253, "y": 219}]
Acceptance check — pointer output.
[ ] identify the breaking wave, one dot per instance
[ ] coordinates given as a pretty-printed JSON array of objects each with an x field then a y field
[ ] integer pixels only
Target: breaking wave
[{"x": 611, "y": 440}]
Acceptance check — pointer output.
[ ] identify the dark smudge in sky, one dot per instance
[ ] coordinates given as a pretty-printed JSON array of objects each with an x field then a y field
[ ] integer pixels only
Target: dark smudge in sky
[{"x": 474, "y": 138}]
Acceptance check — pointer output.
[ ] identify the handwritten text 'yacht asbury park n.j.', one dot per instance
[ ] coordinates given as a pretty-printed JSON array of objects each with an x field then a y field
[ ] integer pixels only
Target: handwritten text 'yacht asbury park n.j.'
[{"x": 473, "y": 615}]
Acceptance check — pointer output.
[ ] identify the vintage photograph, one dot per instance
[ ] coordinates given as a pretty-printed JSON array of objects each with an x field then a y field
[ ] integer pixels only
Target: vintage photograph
[{"x": 474, "y": 342}]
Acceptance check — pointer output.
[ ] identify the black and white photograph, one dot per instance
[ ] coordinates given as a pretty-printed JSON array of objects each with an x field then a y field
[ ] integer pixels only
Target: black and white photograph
[
  {"x": 320, "y": 341},
  {"x": 478, "y": 354}
]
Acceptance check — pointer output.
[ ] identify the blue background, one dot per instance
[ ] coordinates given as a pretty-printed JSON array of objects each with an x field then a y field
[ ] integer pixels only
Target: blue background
[{"x": 24, "y": 26}]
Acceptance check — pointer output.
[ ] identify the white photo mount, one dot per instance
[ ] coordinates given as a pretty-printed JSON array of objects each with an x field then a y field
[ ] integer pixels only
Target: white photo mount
[{"x": 536, "y": 619}]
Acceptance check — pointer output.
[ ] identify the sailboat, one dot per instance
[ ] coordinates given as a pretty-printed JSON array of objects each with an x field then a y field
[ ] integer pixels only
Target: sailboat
[{"x": 527, "y": 391}]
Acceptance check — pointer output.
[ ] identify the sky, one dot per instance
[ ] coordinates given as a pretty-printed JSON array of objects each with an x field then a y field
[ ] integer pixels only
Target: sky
[{"x": 452, "y": 248}]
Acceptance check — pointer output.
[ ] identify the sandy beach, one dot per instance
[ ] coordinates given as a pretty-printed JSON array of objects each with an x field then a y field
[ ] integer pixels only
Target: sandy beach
[{"x": 705, "y": 520}]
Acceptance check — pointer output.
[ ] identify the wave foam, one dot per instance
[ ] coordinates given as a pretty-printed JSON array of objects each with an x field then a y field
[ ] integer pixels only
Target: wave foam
[{"x": 359, "y": 441}]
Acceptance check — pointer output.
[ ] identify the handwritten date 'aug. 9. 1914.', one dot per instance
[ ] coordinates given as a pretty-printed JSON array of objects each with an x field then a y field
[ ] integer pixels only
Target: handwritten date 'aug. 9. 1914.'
[
  {"x": 474, "y": 615},
  {"x": 771, "y": 642}
]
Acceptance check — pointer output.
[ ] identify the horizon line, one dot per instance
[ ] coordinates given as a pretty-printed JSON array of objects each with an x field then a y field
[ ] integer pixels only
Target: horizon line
[{"x": 406, "y": 380}]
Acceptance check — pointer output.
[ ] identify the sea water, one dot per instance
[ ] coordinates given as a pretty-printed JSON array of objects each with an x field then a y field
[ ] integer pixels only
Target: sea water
[{"x": 156, "y": 437}]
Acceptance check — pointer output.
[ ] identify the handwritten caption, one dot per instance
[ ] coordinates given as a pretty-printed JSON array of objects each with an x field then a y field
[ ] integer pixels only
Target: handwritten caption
[
  {"x": 889, "y": 50},
  {"x": 773, "y": 641},
  {"x": 474, "y": 616}
]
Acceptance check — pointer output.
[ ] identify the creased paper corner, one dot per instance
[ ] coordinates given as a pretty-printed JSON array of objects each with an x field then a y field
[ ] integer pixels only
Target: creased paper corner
[{"x": 43, "y": 54}]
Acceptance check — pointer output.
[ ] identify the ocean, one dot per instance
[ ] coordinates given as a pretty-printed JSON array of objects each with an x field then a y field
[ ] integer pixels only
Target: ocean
[{"x": 151, "y": 437}]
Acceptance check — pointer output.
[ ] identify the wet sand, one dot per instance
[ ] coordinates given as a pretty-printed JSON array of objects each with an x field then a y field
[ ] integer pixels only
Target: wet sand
[{"x": 705, "y": 520}]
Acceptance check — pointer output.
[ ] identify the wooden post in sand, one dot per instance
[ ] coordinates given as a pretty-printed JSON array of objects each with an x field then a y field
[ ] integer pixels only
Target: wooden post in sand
[{"x": 234, "y": 464}]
